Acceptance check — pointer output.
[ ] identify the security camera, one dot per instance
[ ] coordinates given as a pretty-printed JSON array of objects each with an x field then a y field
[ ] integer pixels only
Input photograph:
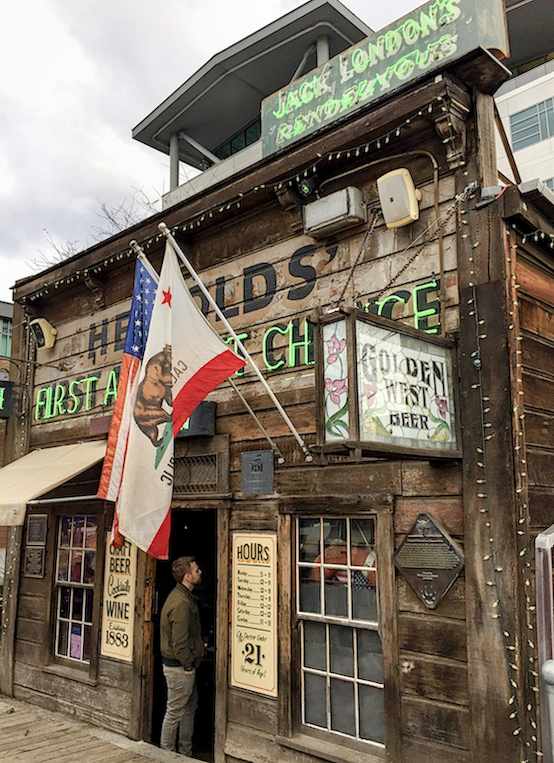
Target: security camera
[{"x": 45, "y": 333}]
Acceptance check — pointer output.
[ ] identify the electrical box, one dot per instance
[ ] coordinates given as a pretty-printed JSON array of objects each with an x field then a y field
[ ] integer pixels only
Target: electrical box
[
  {"x": 332, "y": 213},
  {"x": 399, "y": 198}
]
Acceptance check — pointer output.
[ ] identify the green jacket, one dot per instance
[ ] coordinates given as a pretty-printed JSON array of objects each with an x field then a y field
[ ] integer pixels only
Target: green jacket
[{"x": 180, "y": 634}]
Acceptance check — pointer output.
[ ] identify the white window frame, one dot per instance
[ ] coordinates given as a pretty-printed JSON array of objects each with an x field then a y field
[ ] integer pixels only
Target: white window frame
[{"x": 353, "y": 624}]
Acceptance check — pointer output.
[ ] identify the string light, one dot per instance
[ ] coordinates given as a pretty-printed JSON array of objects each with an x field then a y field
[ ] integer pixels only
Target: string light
[
  {"x": 209, "y": 214},
  {"x": 520, "y": 490}
]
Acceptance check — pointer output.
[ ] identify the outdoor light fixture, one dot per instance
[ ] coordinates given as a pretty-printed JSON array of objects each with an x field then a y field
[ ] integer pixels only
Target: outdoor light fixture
[
  {"x": 308, "y": 186},
  {"x": 45, "y": 333}
]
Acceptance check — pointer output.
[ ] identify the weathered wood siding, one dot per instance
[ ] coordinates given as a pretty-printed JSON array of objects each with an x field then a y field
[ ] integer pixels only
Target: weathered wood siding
[{"x": 536, "y": 298}]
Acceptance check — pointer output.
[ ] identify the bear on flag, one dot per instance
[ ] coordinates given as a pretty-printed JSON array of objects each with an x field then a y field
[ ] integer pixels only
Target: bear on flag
[{"x": 184, "y": 360}]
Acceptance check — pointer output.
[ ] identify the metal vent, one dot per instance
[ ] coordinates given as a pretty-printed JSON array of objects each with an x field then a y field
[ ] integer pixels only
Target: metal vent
[{"x": 196, "y": 474}]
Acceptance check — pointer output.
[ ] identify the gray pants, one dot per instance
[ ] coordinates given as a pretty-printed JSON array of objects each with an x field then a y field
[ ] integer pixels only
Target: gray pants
[{"x": 182, "y": 701}]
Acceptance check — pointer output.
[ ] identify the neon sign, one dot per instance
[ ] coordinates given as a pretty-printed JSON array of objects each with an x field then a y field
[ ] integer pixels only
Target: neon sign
[
  {"x": 284, "y": 345},
  {"x": 422, "y": 41}
]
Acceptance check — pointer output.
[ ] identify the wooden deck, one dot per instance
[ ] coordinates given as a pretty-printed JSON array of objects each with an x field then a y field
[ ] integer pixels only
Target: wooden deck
[{"x": 29, "y": 734}]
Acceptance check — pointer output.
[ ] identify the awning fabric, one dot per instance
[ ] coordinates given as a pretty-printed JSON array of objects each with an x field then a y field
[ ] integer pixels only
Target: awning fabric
[{"x": 41, "y": 471}]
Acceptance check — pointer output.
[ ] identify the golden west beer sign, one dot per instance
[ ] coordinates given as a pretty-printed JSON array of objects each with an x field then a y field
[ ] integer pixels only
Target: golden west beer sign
[
  {"x": 425, "y": 40},
  {"x": 385, "y": 387}
]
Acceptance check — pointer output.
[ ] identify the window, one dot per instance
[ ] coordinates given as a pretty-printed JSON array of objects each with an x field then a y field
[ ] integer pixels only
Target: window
[
  {"x": 533, "y": 124},
  {"x": 75, "y": 572},
  {"x": 5, "y": 337},
  {"x": 550, "y": 183},
  {"x": 241, "y": 140},
  {"x": 340, "y": 646}
]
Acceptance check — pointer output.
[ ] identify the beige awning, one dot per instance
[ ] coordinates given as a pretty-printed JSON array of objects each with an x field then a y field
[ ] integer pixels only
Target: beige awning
[{"x": 42, "y": 470}]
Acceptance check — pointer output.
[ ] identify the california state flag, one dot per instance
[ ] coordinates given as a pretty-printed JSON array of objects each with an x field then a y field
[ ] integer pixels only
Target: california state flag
[{"x": 184, "y": 360}]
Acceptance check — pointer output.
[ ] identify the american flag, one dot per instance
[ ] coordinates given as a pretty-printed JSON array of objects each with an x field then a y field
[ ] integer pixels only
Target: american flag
[{"x": 144, "y": 293}]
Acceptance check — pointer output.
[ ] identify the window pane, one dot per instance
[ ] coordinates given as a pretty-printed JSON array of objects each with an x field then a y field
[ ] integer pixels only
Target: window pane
[
  {"x": 237, "y": 143},
  {"x": 224, "y": 151},
  {"x": 308, "y": 540},
  {"x": 75, "y": 644},
  {"x": 87, "y": 643},
  {"x": 343, "y": 714},
  {"x": 76, "y": 566},
  {"x": 370, "y": 656},
  {"x": 315, "y": 700},
  {"x": 63, "y": 638},
  {"x": 88, "y": 573},
  {"x": 310, "y": 590},
  {"x": 362, "y": 542},
  {"x": 252, "y": 133},
  {"x": 364, "y": 598},
  {"x": 65, "y": 534},
  {"x": 65, "y": 601},
  {"x": 77, "y": 613},
  {"x": 315, "y": 653},
  {"x": 334, "y": 539},
  {"x": 336, "y": 594},
  {"x": 78, "y": 532},
  {"x": 63, "y": 565},
  {"x": 341, "y": 648},
  {"x": 90, "y": 535},
  {"x": 372, "y": 713},
  {"x": 89, "y": 598}
]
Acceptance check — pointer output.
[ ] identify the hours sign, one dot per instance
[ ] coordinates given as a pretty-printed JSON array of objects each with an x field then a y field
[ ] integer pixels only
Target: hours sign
[{"x": 254, "y": 644}]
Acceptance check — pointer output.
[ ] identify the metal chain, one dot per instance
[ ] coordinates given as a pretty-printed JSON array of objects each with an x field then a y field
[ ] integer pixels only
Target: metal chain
[
  {"x": 450, "y": 212},
  {"x": 376, "y": 215}
]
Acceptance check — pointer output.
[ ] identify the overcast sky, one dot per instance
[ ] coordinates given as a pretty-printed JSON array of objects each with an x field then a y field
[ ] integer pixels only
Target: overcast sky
[{"x": 78, "y": 75}]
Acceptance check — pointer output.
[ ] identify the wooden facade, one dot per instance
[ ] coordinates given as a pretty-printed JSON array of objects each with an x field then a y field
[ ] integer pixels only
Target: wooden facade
[{"x": 453, "y": 676}]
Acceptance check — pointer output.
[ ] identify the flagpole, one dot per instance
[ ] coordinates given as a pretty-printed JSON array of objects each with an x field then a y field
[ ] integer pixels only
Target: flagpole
[
  {"x": 139, "y": 251},
  {"x": 274, "y": 447},
  {"x": 177, "y": 249}
]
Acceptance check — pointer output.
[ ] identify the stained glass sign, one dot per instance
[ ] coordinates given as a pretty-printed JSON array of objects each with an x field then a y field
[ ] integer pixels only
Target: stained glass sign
[{"x": 385, "y": 387}]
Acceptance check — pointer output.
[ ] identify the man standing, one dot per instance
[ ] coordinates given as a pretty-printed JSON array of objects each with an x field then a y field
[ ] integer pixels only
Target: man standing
[{"x": 182, "y": 651}]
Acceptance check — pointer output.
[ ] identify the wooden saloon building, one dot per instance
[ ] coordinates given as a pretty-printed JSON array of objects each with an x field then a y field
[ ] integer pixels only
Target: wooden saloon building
[{"x": 378, "y": 601}]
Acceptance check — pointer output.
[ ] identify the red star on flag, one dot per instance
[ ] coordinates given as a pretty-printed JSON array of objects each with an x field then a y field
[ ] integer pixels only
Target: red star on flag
[{"x": 167, "y": 296}]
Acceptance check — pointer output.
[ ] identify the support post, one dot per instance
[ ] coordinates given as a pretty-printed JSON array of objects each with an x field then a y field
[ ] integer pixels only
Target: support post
[
  {"x": 174, "y": 161},
  {"x": 322, "y": 49}
]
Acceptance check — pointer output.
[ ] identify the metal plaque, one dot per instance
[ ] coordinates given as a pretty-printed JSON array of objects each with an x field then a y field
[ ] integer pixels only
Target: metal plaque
[
  {"x": 429, "y": 559},
  {"x": 257, "y": 472},
  {"x": 37, "y": 525},
  {"x": 33, "y": 564}
]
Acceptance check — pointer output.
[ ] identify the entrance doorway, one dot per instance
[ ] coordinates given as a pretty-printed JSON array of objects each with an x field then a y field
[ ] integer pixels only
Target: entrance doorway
[{"x": 193, "y": 533}]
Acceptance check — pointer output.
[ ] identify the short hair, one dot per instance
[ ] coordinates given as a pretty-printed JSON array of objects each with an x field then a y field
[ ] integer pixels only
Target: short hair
[{"x": 181, "y": 566}]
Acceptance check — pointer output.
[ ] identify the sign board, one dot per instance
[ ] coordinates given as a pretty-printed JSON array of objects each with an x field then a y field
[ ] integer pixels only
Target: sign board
[
  {"x": 429, "y": 560},
  {"x": 6, "y": 399},
  {"x": 118, "y": 609},
  {"x": 429, "y": 38},
  {"x": 201, "y": 422},
  {"x": 257, "y": 472},
  {"x": 386, "y": 387},
  {"x": 254, "y": 625}
]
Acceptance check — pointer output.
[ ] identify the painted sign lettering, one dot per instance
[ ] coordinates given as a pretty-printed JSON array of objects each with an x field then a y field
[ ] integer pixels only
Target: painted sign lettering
[{"x": 118, "y": 613}]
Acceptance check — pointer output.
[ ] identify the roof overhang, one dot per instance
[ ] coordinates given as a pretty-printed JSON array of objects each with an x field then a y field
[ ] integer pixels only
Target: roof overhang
[
  {"x": 40, "y": 471},
  {"x": 224, "y": 96},
  {"x": 529, "y": 30}
]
